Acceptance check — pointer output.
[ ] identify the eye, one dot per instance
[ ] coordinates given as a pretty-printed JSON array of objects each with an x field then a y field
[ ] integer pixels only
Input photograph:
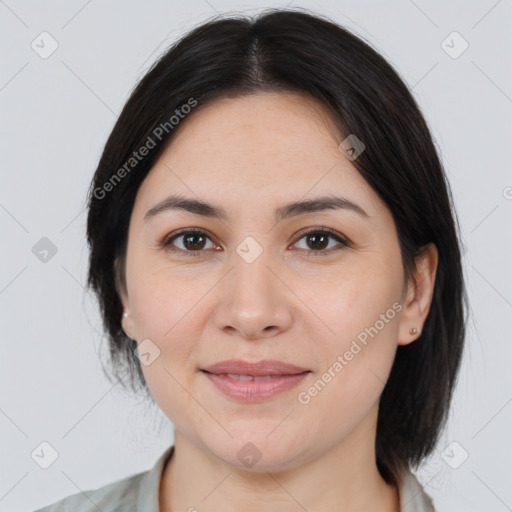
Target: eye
[
  {"x": 318, "y": 239},
  {"x": 193, "y": 242}
]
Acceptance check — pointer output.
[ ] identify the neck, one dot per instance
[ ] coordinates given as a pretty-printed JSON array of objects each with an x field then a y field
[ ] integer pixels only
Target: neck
[{"x": 344, "y": 478}]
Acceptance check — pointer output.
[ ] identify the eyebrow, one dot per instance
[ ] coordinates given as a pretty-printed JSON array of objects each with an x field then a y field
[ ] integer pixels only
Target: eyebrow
[{"x": 199, "y": 207}]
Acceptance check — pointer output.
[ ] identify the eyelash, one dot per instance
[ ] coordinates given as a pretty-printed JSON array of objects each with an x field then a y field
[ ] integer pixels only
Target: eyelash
[{"x": 167, "y": 241}]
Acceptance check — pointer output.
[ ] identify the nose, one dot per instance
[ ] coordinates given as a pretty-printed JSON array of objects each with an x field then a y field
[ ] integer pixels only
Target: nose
[{"x": 253, "y": 300}]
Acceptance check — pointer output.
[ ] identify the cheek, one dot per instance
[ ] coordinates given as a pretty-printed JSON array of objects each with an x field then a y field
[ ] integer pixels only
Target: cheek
[
  {"x": 350, "y": 303},
  {"x": 165, "y": 311},
  {"x": 355, "y": 371},
  {"x": 164, "y": 298},
  {"x": 356, "y": 341}
]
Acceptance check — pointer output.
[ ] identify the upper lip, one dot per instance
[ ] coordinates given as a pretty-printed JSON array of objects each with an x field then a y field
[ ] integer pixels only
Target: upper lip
[{"x": 261, "y": 368}]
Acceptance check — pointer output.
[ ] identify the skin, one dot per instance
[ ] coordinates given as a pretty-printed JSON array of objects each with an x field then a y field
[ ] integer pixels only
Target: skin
[{"x": 251, "y": 155}]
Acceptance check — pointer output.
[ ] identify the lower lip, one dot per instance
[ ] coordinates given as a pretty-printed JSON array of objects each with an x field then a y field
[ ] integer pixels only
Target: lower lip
[{"x": 255, "y": 390}]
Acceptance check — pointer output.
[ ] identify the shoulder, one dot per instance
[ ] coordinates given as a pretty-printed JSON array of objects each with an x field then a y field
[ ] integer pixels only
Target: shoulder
[
  {"x": 413, "y": 497},
  {"x": 121, "y": 495},
  {"x": 136, "y": 492}
]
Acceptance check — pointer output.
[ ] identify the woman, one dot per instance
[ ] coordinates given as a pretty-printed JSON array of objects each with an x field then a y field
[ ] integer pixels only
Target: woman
[{"x": 275, "y": 253}]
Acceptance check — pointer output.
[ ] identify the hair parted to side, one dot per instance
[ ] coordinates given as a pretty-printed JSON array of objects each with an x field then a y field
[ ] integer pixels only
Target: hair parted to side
[{"x": 295, "y": 51}]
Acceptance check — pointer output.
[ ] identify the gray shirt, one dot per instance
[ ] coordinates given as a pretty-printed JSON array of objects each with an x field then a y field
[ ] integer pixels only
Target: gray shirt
[{"x": 140, "y": 493}]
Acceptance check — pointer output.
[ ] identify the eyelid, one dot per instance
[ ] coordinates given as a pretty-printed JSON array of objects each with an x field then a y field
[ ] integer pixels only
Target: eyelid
[
  {"x": 165, "y": 242},
  {"x": 321, "y": 229}
]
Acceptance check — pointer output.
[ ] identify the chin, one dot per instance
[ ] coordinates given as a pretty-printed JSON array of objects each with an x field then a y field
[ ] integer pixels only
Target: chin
[{"x": 258, "y": 453}]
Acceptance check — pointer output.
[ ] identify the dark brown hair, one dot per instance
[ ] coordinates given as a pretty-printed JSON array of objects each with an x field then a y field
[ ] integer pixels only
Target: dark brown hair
[{"x": 292, "y": 50}]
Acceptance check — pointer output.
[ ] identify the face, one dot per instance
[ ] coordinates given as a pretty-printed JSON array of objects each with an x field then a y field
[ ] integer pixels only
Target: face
[{"x": 255, "y": 287}]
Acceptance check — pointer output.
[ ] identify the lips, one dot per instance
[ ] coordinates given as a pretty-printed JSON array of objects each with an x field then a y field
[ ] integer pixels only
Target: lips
[
  {"x": 262, "y": 370},
  {"x": 234, "y": 376}
]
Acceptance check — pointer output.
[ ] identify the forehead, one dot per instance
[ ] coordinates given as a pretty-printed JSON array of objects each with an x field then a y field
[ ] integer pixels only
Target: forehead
[
  {"x": 278, "y": 146},
  {"x": 257, "y": 125}
]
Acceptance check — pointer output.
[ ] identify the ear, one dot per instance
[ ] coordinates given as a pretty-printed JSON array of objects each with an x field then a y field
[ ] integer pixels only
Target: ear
[
  {"x": 420, "y": 290},
  {"x": 120, "y": 282}
]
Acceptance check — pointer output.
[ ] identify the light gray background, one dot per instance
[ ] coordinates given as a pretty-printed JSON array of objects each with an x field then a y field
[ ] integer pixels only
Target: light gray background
[{"x": 56, "y": 115}]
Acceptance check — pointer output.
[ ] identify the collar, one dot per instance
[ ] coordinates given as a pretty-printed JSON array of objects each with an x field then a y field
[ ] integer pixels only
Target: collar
[
  {"x": 413, "y": 498},
  {"x": 149, "y": 490}
]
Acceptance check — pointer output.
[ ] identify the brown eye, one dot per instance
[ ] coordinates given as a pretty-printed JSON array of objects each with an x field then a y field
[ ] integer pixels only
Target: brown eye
[
  {"x": 318, "y": 240},
  {"x": 192, "y": 242}
]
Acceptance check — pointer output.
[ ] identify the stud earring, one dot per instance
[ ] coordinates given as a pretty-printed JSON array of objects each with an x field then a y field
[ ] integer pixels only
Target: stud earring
[
  {"x": 413, "y": 330},
  {"x": 125, "y": 314}
]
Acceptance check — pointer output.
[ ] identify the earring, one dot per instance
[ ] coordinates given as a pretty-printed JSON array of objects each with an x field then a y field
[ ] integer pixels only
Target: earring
[
  {"x": 125, "y": 314},
  {"x": 413, "y": 330}
]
